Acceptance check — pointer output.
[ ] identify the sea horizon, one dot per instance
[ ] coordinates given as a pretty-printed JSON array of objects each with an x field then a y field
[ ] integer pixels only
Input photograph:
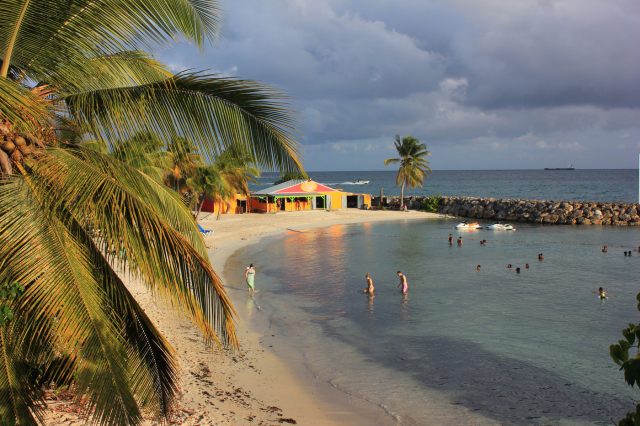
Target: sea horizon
[
  {"x": 606, "y": 185},
  {"x": 389, "y": 169}
]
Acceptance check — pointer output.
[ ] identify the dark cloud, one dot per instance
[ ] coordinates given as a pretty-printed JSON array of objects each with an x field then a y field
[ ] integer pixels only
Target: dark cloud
[{"x": 517, "y": 84}]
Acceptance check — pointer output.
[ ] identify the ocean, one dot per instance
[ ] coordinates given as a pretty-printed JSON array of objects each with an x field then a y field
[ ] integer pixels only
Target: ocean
[
  {"x": 528, "y": 348},
  {"x": 588, "y": 185}
]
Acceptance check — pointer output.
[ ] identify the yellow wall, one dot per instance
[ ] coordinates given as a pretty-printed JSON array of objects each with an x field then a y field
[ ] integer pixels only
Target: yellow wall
[{"x": 257, "y": 205}]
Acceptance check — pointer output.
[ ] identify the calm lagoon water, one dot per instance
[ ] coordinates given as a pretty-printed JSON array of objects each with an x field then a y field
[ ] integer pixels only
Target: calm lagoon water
[{"x": 516, "y": 349}]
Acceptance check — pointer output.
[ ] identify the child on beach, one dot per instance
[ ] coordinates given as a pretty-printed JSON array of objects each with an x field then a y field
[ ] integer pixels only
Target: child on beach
[
  {"x": 370, "y": 288},
  {"x": 403, "y": 285},
  {"x": 250, "y": 275}
]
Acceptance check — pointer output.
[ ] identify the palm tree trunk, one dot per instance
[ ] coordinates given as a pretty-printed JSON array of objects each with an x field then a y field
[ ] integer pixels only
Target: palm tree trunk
[
  {"x": 402, "y": 196},
  {"x": 200, "y": 206}
]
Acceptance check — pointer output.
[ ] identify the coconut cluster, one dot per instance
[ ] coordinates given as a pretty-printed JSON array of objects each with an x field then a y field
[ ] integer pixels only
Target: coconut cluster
[{"x": 17, "y": 146}]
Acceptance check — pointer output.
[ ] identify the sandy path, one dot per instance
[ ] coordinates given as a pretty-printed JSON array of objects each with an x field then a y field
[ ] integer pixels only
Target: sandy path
[{"x": 251, "y": 386}]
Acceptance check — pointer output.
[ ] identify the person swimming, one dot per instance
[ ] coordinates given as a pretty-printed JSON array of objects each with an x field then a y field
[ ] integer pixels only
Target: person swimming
[
  {"x": 602, "y": 294},
  {"x": 605, "y": 249},
  {"x": 370, "y": 288},
  {"x": 517, "y": 270},
  {"x": 450, "y": 239},
  {"x": 478, "y": 268},
  {"x": 459, "y": 241},
  {"x": 540, "y": 257},
  {"x": 509, "y": 266},
  {"x": 403, "y": 285},
  {"x": 526, "y": 266}
]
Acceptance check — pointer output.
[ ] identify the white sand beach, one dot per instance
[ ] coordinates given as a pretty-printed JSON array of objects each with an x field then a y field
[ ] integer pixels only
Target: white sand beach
[{"x": 251, "y": 386}]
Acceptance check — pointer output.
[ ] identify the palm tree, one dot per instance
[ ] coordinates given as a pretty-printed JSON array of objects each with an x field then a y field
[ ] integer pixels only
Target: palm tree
[
  {"x": 229, "y": 175},
  {"x": 185, "y": 161},
  {"x": 413, "y": 163},
  {"x": 72, "y": 217},
  {"x": 208, "y": 182},
  {"x": 144, "y": 152},
  {"x": 238, "y": 170}
]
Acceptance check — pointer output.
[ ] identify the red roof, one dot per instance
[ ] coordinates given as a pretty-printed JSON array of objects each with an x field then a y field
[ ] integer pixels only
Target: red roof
[{"x": 305, "y": 187}]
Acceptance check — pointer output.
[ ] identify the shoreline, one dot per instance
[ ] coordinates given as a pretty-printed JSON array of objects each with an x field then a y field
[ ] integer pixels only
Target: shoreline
[
  {"x": 253, "y": 386},
  {"x": 316, "y": 402}
]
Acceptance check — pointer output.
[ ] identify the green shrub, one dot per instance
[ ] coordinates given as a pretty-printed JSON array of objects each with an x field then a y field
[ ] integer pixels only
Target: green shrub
[
  {"x": 431, "y": 203},
  {"x": 629, "y": 363}
]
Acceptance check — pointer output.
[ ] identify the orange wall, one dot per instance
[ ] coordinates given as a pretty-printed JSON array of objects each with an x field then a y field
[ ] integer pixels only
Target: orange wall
[{"x": 229, "y": 206}]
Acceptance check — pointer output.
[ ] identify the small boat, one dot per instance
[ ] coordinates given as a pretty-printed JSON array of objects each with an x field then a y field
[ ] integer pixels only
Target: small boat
[
  {"x": 501, "y": 227},
  {"x": 466, "y": 225},
  {"x": 356, "y": 182}
]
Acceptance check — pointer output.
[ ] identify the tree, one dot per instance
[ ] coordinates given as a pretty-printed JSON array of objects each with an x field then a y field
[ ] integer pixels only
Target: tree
[
  {"x": 144, "y": 152},
  {"x": 629, "y": 363},
  {"x": 291, "y": 176},
  {"x": 229, "y": 175},
  {"x": 208, "y": 182},
  {"x": 70, "y": 216},
  {"x": 414, "y": 165},
  {"x": 185, "y": 161}
]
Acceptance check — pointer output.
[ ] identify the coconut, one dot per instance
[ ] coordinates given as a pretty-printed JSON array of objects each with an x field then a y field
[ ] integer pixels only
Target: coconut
[
  {"x": 20, "y": 141},
  {"x": 8, "y": 146},
  {"x": 16, "y": 156},
  {"x": 26, "y": 149}
]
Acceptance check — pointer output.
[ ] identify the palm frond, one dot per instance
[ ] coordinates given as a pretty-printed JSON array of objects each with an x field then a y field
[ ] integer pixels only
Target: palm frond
[
  {"x": 17, "y": 402},
  {"x": 60, "y": 281},
  {"x": 23, "y": 108},
  {"x": 119, "y": 359},
  {"x": 55, "y": 33},
  {"x": 214, "y": 112},
  {"x": 391, "y": 161},
  {"x": 139, "y": 235},
  {"x": 126, "y": 68}
]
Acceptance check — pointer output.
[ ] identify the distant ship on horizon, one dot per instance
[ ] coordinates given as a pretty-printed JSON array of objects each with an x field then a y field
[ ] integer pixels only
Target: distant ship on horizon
[{"x": 561, "y": 168}]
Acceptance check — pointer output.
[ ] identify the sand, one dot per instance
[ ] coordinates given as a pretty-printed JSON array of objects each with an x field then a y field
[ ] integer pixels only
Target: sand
[{"x": 251, "y": 386}]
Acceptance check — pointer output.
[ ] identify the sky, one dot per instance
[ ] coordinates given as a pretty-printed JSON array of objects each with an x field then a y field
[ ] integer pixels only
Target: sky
[{"x": 486, "y": 84}]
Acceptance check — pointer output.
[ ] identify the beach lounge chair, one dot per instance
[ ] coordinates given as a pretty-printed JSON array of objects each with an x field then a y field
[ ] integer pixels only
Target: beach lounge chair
[{"x": 204, "y": 231}]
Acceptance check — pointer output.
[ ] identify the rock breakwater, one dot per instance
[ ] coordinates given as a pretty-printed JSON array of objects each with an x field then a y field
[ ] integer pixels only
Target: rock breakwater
[{"x": 535, "y": 211}]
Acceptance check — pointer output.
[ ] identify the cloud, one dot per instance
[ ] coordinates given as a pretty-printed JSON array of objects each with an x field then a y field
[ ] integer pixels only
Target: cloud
[{"x": 493, "y": 78}]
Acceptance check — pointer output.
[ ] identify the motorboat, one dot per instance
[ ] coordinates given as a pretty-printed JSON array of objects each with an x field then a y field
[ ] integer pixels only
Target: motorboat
[
  {"x": 469, "y": 225},
  {"x": 356, "y": 182},
  {"x": 501, "y": 227}
]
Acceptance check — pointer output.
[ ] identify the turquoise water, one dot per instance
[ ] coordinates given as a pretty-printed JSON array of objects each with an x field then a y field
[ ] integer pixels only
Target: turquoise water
[
  {"x": 515, "y": 349},
  {"x": 587, "y": 185}
]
